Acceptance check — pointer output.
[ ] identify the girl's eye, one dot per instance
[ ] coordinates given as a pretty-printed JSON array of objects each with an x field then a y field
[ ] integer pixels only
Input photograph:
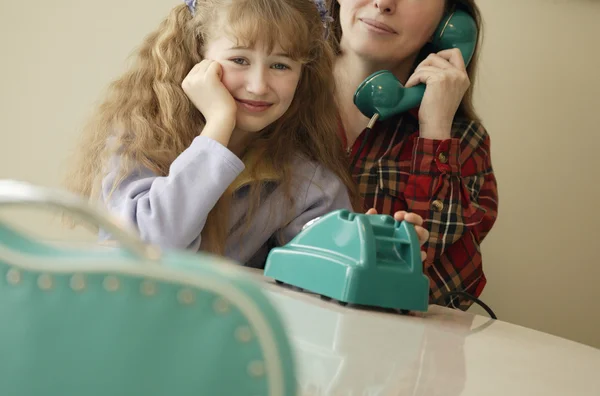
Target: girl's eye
[
  {"x": 239, "y": 61},
  {"x": 280, "y": 66}
]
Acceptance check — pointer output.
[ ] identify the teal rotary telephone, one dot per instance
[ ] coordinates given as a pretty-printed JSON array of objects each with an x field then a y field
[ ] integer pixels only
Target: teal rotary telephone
[
  {"x": 369, "y": 260},
  {"x": 355, "y": 258},
  {"x": 381, "y": 95}
]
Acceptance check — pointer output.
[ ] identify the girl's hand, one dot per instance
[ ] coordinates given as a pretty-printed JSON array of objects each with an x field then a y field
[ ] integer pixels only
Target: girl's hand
[
  {"x": 412, "y": 218},
  {"x": 445, "y": 76},
  {"x": 206, "y": 91}
]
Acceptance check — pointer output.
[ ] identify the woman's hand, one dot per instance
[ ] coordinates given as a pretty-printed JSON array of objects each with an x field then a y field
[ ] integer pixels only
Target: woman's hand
[
  {"x": 208, "y": 94},
  {"x": 446, "y": 78},
  {"x": 412, "y": 218}
]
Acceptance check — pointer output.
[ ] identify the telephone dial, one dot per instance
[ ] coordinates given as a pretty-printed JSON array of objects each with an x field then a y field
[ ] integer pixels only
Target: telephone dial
[{"x": 381, "y": 95}]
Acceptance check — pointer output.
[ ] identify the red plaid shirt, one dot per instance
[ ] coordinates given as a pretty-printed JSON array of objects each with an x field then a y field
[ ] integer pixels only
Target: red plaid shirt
[{"x": 450, "y": 183}]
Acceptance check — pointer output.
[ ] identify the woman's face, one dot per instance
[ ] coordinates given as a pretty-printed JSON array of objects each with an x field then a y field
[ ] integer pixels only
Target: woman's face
[{"x": 388, "y": 31}]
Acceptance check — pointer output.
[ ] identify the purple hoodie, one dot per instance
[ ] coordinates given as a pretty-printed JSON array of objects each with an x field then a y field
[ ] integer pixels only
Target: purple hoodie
[{"x": 171, "y": 211}]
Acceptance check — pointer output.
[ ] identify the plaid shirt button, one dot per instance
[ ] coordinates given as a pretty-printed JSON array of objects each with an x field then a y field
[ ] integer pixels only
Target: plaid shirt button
[
  {"x": 437, "y": 205},
  {"x": 443, "y": 158}
]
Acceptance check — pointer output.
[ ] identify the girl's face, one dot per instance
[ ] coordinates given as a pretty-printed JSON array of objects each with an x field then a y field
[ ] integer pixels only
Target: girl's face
[
  {"x": 262, "y": 83},
  {"x": 388, "y": 31}
]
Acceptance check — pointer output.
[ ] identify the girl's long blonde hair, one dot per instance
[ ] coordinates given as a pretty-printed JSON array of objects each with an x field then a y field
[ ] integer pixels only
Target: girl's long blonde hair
[{"x": 153, "y": 121}]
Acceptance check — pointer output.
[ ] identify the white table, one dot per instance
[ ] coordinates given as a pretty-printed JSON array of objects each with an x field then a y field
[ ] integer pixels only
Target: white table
[{"x": 352, "y": 351}]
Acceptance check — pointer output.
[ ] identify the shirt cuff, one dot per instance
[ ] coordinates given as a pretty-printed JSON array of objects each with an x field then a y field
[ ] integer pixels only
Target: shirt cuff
[{"x": 436, "y": 157}]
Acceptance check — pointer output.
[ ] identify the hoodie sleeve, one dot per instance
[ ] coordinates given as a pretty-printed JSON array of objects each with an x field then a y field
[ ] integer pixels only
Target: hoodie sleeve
[{"x": 170, "y": 211}]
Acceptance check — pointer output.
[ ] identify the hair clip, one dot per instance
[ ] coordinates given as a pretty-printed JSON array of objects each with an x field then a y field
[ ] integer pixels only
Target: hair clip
[
  {"x": 324, "y": 13},
  {"x": 192, "y": 6}
]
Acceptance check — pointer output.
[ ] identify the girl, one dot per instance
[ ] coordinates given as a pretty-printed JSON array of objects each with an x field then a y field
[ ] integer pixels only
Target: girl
[
  {"x": 434, "y": 160},
  {"x": 222, "y": 136}
]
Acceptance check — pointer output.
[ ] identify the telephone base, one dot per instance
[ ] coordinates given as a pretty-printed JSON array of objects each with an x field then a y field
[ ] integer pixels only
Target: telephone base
[{"x": 358, "y": 259}]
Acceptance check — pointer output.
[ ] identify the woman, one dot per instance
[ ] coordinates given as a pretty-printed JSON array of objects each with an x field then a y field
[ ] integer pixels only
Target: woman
[{"x": 433, "y": 160}]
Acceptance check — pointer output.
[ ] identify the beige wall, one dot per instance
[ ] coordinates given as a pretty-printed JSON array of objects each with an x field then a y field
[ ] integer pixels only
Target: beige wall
[
  {"x": 57, "y": 58},
  {"x": 538, "y": 93}
]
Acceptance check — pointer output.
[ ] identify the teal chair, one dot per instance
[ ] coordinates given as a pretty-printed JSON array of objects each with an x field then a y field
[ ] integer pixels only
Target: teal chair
[{"x": 130, "y": 320}]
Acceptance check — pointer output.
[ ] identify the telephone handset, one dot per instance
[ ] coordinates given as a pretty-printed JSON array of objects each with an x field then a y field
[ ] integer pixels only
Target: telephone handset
[{"x": 381, "y": 95}]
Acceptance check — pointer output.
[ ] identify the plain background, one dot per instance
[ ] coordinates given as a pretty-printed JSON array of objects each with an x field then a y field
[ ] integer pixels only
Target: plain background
[{"x": 538, "y": 93}]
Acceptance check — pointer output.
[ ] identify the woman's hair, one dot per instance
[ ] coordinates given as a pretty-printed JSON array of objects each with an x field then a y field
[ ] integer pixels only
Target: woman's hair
[
  {"x": 466, "y": 108},
  {"x": 156, "y": 121}
]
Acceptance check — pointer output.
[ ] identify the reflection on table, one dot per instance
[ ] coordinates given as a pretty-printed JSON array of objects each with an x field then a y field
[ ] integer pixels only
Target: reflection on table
[{"x": 354, "y": 351}]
